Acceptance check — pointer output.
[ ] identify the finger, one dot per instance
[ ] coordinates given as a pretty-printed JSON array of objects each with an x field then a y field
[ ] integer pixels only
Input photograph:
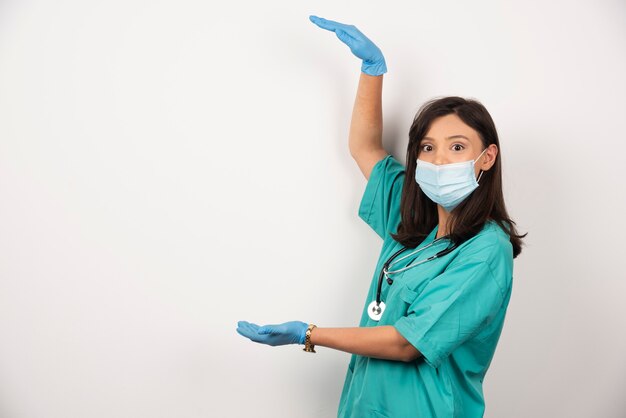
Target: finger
[
  {"x": 267, "y": 329},
  {"x": 252, "y": 334},
  {"x": 252, "y": 327},
  {"x": 247, "y": 329},
  {"x": 270, "y": 329},
  {"x": 327, "y": 24},
  {"x": 344, "y": 37},
  {"x": 244, "y": 325},
  {"x": 241, "y": 325}
]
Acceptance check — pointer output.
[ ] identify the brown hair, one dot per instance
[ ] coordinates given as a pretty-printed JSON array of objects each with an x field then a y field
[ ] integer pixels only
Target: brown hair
[{"x": 419, "y": 214}]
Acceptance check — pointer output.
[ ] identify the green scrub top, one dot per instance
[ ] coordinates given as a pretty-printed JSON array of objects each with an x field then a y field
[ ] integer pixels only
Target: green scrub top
[{"x": 451, "y": 309}]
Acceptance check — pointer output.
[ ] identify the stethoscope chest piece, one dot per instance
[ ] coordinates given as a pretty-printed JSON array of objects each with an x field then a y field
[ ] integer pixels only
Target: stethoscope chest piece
[{"x": 375, "y": 310}]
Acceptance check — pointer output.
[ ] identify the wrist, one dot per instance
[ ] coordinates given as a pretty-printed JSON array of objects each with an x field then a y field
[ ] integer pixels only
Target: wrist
[
  {"x": 308, "y": 345},
  {"x": 303, "y": 329},
  {"x": 374, "y": 68}
]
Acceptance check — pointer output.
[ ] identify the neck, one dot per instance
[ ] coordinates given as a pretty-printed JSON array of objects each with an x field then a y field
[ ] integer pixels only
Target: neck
[{"x": 443, "y": 221}]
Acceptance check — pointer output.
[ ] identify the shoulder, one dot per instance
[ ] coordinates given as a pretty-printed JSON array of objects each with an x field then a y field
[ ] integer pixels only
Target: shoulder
[
  {"x": 492, "y": 246},
  {"x": 386, "y": 177},
  {"x": 492, "y": 241},
  {"x": 388, "y": 164},
  {"x": 380, "y": 203}
]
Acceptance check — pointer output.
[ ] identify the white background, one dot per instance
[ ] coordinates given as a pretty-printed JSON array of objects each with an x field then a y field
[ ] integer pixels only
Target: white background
[{"x": 168, "y": 168}]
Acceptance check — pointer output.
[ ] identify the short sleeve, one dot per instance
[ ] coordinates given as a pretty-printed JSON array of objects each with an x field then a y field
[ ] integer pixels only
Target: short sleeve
[
  {"x": 380, "y": 204},
  {"x": 453, "y": 307}
]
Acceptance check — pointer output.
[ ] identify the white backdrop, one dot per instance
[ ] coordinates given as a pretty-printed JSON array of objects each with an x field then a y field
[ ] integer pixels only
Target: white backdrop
[{"x": 168, "y": 168}]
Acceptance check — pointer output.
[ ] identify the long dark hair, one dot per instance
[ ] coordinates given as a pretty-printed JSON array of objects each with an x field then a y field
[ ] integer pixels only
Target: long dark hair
[{"x": 419, "y": 214}]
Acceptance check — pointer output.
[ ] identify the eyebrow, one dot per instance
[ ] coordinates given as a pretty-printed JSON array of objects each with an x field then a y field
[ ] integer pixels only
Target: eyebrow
[{"x": 450, "y": 137}]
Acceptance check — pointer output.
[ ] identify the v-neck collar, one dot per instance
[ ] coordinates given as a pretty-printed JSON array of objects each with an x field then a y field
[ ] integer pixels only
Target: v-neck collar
[{"x": 432, "y": 235}]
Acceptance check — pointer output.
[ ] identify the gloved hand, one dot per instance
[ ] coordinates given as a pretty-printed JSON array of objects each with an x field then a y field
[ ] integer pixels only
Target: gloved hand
[
  {"x": 360, "y": 45},
  {"x": 293, "y": 332}
]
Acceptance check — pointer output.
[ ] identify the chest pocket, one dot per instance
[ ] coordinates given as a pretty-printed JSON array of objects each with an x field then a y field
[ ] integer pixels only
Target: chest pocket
[{"x": 397, "y": 303}]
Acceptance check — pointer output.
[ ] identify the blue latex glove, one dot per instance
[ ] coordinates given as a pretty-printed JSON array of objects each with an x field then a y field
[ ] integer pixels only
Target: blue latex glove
[
  {"x": 359, "y": 44},
  {"x": 293, "y": 332}
]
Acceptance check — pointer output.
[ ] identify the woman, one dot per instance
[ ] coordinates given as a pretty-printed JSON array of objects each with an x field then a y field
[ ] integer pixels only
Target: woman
[{"x": 437, "y": 301}]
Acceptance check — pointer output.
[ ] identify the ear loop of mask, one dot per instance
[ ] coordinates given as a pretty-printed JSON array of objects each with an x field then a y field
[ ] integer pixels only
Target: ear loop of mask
[{"x": 481, "y": 171}]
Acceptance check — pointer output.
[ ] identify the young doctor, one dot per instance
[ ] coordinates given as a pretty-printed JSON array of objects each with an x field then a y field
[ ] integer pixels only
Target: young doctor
[{"x": 439, "y": 295}]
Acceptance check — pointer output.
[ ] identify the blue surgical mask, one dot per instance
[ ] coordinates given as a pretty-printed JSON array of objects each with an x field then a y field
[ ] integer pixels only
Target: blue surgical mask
[{"x": 447, "y": 184}]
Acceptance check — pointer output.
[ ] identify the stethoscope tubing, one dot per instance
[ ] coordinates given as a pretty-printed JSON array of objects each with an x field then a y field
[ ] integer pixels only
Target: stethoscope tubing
[{"x": 385, "y": 272}]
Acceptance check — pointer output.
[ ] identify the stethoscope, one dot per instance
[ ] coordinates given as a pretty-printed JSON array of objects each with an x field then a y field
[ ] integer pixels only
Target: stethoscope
[{"x": 377, "y": 307}]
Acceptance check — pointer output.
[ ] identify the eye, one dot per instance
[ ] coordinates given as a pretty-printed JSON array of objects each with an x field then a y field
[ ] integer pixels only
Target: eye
[
  {"x": 458, "y": 145},
  {"x": 426, "y": 145}
]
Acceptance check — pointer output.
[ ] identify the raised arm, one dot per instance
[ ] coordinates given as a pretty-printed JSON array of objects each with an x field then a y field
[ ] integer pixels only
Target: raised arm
[{"x": 366, "y": 128}]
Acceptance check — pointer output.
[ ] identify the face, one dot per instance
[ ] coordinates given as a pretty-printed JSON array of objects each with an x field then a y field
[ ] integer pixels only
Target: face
[{"x": 449, "y": 140}]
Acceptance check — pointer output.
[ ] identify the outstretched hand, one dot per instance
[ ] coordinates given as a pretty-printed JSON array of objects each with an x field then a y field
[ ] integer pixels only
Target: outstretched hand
[
  {"x": 293, "y": 332},
  {"x": 363, "y": 48}
]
